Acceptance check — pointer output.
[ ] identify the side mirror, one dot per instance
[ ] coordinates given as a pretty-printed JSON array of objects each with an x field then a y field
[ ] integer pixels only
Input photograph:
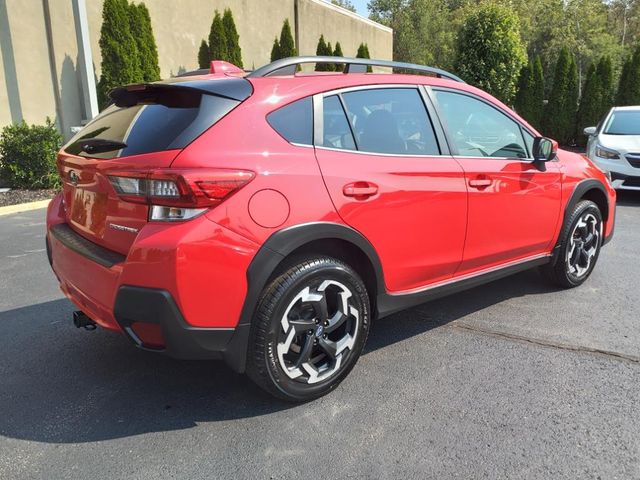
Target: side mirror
[
  {"x": 544, "y": 149},
  {"x": 589, "y": 131}
]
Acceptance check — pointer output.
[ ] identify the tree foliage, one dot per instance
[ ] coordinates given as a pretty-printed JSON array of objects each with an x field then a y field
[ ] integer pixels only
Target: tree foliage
[
  {"x": 120, "y": 64},
  {"x": 234, "y": 52},
  {"x": 140, "y": 24},
  {"x": 363, "y": 52},
  {"x": 629, "y": 84},
  {"x": 275, "y": 50},
  {"x": 287, "y": 45},
  {"x": 529, "y": 99},
  {"x": 337, "y": 52},
  {"x": 203, "y": 55},
  {"x": 490, "y": 50},
  {"x": 560, "y": 112},
  {"x": 344, "y": 4},
  {"x": 322, "y": 49},
  {"x": 590, "y": 104},
  {"x": 217, "y": 39}
]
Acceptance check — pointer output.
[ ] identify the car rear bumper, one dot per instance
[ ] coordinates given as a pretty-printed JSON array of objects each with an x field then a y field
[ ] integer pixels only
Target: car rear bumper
[{"x": 180, "y": 290}]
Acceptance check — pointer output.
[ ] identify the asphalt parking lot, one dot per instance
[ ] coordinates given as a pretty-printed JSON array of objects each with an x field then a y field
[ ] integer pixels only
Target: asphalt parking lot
[{"x": 509, "y": 380}]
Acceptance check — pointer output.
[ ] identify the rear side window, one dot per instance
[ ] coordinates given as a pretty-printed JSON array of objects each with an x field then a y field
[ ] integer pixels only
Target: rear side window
[
  {"x": 150, "y": 121},
  {"x": 336, "y": 129},
  {"x": 294, "y": 122},
  {"x": 391, "y": 120}
]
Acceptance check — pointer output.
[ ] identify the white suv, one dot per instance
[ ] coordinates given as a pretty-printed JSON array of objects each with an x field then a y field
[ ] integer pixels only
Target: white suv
[{"x": 614, "y": 145}]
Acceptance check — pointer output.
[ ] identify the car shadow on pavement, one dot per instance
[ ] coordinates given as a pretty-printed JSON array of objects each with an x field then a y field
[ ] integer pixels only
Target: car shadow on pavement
[{"x": 64, "y": 385}]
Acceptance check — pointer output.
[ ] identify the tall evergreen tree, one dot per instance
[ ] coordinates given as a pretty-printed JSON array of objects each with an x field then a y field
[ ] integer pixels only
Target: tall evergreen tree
[
  {"x": 363, "y": 52},
  {"x": 140, "y": 24},
  {"x": 287, "y": 45},
  {"x": 337, "y": 52},
  {"x": 529, "y": 100},
  {"x": 203, "y": 55},
  {"x": 560, "y": 112},
  {"x": 233, "y": 39},
  {"x": 119, "y": 50},
  {"x": 538, "y": 93},
  {"x": 275, "y": 50},
  {"x": 523, "y": 101},
  {"x": 218, "y": 39},
  {"x": 623, "y": 92},
  {"x": 590, "y": 104},
  {"x": 604, "y": 71},
  {"x": 629, "y": 86},
  {"x": 330, "y": 67},
  {"x": 321, "y": 50}
]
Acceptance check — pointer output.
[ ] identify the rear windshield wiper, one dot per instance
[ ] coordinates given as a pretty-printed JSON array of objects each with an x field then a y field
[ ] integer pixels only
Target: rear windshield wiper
[{"x": 99, "y": 145}]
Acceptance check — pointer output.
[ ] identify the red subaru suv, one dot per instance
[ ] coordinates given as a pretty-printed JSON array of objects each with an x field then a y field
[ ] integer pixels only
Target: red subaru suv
[{"x": 268, "y": 218}]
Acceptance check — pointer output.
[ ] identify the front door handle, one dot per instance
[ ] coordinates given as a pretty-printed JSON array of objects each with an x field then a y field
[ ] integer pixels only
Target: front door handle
[
  {"x": 360, "y": 190},
  {"x": 482, "y": 182}
]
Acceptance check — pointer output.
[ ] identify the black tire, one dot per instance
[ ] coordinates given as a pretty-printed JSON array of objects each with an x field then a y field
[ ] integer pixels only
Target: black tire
[
  {"x": 287, "y": 295},
  {"x": 566, "y": 272}
]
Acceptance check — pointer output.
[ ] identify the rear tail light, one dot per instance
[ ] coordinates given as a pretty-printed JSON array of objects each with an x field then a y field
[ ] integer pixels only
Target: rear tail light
[{"x": 179, "y": 194}]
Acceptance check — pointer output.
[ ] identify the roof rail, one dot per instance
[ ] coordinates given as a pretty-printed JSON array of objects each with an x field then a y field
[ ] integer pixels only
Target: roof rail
[{"x": 288, "y": 66}]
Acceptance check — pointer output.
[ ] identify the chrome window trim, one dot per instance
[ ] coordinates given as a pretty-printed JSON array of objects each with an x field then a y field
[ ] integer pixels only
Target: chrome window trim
[
  {"x": 359, "y": 152},
  {"x": 471, "y": 275}
]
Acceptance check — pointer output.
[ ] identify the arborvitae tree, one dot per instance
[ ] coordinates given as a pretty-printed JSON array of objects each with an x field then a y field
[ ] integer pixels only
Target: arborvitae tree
[
  {"x": 538, "y": 93},
  {"x": 203, "y": 55},
  {"x": 287, "y": 45},
  {"x": 363, "y": 52},
  {"x": 605, "y": 74},
  {"x": 337, "y": 52},
  {"x": 321, "y": 50},
  {"x": 330, "y": 67},
  {"x": 560, "y": 112},
  {"x": 590, "y": 104},
  {"x": 218, "y": 39},
  {"x": 490, "y": 49},
  {"x": 140, "y": 24},
  {"x": 233, "y": 39},
  {"x": 275, "y": 50},
  {"x": 629, "y": 86},
  {"x": 523, "y": 101},
  {"x": 119, "y": 50}
]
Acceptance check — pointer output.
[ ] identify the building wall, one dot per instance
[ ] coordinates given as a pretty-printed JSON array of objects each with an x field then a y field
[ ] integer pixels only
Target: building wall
[{"x": 39, "y": 55}]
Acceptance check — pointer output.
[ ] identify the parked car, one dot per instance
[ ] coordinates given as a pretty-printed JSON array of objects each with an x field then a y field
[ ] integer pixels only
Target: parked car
[
  {"x": 267, "y": 219},
  {"x": 614, "y": 145}
]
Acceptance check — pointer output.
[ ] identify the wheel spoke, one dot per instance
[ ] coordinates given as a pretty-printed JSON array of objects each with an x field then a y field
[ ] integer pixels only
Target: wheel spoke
[
  {"x": 584, "y": 258},
  {"x": 589, "y": 240},
  {"x": 328, "y": 346},
  {"x": 301, "y": 325},
  {"x": 321, "y": 309},
  {"x": 575, "y": 254},
  {"x": 335, "y": 322},
  {"x": 305, "y": 354}
]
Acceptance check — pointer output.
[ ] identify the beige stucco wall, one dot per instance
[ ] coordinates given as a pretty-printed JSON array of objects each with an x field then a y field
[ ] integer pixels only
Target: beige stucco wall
[{"x": 41, "y": 77}]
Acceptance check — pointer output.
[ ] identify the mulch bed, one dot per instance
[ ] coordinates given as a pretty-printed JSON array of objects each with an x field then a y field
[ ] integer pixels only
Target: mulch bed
[{"x": 17, "y": 196}]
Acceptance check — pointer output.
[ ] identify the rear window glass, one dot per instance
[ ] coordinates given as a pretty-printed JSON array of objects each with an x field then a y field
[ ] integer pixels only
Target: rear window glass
[
  {"x": 294, "y": 121},
  {"x": 165, "y": 119}
]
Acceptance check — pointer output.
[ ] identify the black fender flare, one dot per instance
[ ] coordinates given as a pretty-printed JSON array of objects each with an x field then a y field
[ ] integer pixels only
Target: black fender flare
[
  {"x": 274, "y": 250},
  {"x": 578, "y": 193}
]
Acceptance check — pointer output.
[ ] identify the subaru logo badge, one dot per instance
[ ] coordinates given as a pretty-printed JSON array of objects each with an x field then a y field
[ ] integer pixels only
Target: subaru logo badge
[
  {"x": 73, "y": 177},
  {"x": 319, "y": 331}
]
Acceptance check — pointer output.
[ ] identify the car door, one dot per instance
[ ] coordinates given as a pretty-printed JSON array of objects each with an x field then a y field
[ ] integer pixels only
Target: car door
[
  {"x": 514, "y": 204},
  {"x": 391, "y": 178}
]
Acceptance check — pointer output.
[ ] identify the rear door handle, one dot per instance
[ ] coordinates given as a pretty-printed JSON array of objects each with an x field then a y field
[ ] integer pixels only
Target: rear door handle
[
  {"x": 360, "y": 189},
  {"x": 480, "y": 182}
]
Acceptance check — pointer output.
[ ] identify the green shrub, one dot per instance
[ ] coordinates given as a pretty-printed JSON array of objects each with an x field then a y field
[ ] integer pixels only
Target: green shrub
[
  {"x": 529, "y": 100},
  {"x": 590, "y": 104},
  {"x": 629, "y": 85},
  {"x": 218, "y": 39},
  {"x": 337, "y": 52},
  {"x": 28, "y": 155},
  {"x": 287, "y": 45},
  {"x": 275, "y": 50},
  {"x": 323, "y": 50},
  {"x": 363, "y": 52},
  {"x": 560, "y": 113}
]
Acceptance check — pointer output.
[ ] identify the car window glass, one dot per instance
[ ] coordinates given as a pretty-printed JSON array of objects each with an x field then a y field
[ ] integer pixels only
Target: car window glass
[
  {"x": 294, "y": 121},
  {"x": 336, "y": 131},
  {"x": 528, "y": 140},
  {"x": 391, "y": 120},
  {"x": 623, "y": 122},
  {"x": 478, "y": 129}
]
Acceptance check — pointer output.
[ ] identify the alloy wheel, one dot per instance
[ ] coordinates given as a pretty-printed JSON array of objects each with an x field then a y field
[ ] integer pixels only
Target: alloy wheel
[
  {"x": 583, "y": 245},
  {"x": 317, "y": 332}
]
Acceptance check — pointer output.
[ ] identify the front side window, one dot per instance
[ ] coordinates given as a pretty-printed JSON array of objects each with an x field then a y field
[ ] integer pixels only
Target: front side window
[
  {"x": 390, "y": 120},
  {"x": 480, "y": 130}
]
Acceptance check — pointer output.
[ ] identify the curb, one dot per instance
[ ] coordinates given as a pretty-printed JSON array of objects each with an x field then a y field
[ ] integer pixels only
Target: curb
[{"x": 23, "y": 207}]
